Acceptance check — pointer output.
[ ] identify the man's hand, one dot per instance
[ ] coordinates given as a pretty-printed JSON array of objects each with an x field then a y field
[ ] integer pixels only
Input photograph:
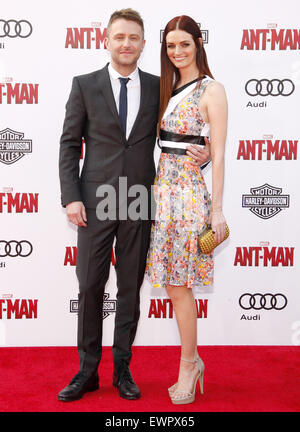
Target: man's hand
[
  {"x": 76, "y": 213},
  {"x": 200, "y": 155}
]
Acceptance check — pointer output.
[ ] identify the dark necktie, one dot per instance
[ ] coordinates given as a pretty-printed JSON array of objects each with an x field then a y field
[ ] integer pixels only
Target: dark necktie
[{"x": 123, "y": 102}]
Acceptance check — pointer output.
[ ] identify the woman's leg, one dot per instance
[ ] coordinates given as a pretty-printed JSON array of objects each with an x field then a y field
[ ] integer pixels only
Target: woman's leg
[{"x": 186, "y": 314}]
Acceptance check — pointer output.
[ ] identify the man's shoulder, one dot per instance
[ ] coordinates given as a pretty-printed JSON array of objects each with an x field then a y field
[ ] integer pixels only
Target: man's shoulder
[
  {"x": 151, "y": 77},
  {"x": 90, "y": 76}
]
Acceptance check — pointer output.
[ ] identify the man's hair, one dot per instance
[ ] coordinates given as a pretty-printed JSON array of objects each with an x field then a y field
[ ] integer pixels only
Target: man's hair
[{"x": 127, "y": 14}]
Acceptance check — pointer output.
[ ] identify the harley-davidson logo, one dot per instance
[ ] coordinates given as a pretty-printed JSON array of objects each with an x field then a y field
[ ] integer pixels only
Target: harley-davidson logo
[
  {"x": 12, "y": 146},
  {"x": 265, "y": 201},
  {"x": 109, "y": 306}
]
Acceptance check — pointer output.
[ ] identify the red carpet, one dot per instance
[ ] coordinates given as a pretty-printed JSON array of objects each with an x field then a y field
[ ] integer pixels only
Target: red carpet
[{"x": 237, "y": 379}]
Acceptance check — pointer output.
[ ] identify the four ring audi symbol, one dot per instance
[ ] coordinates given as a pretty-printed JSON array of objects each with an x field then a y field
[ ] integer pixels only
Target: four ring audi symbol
[
  {"x": 12, "y": 28},
  {"x": 15, "y": 248},
  {"x": 263, "y": 301},
  {"x": 265, "y": 87}
]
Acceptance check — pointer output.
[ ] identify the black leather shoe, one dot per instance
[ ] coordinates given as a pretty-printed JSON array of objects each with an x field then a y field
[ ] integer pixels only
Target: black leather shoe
[
  {"x": 127, "y": 387},
  {"x": 80, "y": 384}
]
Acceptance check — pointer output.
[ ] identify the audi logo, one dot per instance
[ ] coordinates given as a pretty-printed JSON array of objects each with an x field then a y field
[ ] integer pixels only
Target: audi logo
[
  {"x": 263, "y": 301},
  {"x": 13, "y": 28},
  {"x": 265, "y": 87},
  {"x": 15, "y": 248}
]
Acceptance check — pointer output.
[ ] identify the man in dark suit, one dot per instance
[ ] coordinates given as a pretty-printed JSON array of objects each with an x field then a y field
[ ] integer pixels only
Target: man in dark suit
[{"x": 115, "y": 109}]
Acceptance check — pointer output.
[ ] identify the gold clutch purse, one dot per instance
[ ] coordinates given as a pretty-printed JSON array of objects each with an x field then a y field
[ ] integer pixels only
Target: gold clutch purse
[{"x": 206, "y": 240}]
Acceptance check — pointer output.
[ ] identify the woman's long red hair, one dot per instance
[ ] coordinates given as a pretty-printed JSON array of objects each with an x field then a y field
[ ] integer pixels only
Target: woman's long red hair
[{"x": 168, "y": 70}]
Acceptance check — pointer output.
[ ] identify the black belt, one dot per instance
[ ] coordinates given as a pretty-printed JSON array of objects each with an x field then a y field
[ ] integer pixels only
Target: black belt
[
  {"x": 174, "y": 150},
  {"x": 191, "y": 139}
]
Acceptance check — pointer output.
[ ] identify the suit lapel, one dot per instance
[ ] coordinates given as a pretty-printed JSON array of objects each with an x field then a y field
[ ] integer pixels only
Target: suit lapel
[
  {"x": 145, "y": 89},
  {"x": 106, "y": 89}
]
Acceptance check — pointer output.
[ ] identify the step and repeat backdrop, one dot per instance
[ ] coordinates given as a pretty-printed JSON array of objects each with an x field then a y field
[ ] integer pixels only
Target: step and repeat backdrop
[{"x": 253, "y": 50}]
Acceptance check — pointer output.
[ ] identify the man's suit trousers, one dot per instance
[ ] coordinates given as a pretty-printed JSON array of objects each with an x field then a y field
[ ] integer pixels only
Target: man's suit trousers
[{"x": 94, "y": 251}]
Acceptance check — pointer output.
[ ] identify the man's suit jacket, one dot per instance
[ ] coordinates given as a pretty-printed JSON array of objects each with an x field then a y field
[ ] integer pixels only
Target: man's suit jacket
[{"x": 91, "y": 113}]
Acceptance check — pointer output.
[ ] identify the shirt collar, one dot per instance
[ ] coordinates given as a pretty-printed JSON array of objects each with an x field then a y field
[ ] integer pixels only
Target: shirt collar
[{"x": 116, "y": 75}]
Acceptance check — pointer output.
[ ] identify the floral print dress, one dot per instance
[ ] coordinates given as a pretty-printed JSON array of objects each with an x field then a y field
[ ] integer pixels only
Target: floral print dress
[{"x": 182, "y": 207}]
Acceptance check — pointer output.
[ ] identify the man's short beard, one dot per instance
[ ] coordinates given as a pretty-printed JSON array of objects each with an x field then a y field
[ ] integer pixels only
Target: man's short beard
[{"x": 131, "y": 63}]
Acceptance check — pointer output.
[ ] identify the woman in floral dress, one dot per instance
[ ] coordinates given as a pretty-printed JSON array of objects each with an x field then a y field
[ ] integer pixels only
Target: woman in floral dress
[{"x": 192, "y": 106}]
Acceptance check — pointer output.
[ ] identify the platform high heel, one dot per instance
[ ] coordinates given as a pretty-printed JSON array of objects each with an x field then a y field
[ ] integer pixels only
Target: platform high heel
[
  {"x": 180, "y": 397},
  {"x": 201, "y": 367}
]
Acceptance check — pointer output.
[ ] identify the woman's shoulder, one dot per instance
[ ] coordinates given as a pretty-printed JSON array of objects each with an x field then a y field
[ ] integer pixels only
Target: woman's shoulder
[{"x": 213, "y": 87}]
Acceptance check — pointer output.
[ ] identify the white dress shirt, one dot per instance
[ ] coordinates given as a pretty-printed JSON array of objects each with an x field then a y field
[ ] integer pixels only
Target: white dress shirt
[{"x": 133, "y": 94}]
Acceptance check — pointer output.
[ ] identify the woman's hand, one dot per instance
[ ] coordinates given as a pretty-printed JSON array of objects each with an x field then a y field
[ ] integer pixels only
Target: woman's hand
[{"x": 218, "y": 225}]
